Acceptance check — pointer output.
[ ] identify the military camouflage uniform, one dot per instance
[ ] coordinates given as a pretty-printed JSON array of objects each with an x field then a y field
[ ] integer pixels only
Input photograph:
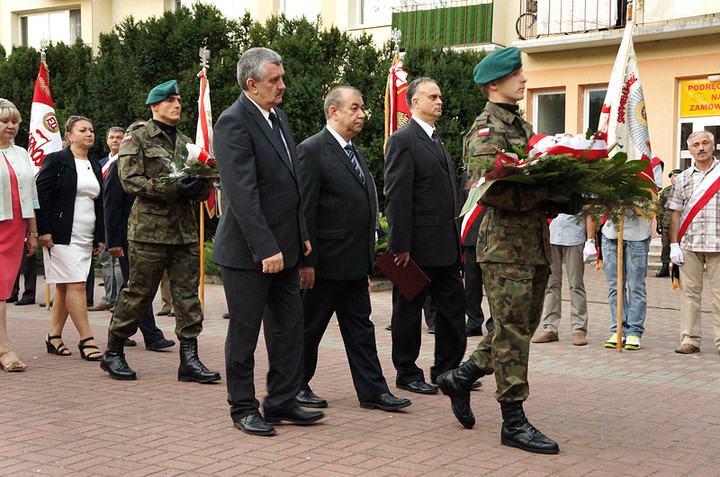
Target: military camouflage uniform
[
  {"x": 514, "y": 250},
  {"x": 162, "y": 233},
  {"x": 663, "y": 217}
]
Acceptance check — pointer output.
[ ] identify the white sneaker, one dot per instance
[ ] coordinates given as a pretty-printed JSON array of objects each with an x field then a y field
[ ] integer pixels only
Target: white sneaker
[{"x": 632, "y": 343}]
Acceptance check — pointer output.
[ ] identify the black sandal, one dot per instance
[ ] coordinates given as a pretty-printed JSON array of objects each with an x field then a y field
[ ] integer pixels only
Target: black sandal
[
  {"x": 61, "y": 349},
  {"x": 86, "y": 356}
]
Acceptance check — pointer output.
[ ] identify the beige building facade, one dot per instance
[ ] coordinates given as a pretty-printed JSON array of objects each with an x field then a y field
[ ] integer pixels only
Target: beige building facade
[{"x": 678, "y": 52}]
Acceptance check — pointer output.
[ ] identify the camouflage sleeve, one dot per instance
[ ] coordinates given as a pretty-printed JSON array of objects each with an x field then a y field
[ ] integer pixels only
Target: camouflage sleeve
[
  {"x": 134, "y": 175},
  {"x": 482, "y": 143}
]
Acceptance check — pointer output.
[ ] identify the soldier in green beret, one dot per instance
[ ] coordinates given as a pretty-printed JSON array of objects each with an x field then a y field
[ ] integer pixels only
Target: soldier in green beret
[
  {"x": 162, "y": 235},
  {"x": 662, "y": 219},
  {"x": 513, "y": 249}
]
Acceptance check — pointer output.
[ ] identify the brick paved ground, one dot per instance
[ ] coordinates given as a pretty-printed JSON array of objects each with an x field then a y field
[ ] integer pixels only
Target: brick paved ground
[{"x": 651, "y": 412}]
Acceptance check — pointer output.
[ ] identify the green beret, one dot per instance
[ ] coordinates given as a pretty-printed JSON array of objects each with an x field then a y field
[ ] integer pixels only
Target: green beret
[
  {"x": 497, "y": 64},
  {"x": 675, "y": 171},
  {"x": 162, "y": 91}
]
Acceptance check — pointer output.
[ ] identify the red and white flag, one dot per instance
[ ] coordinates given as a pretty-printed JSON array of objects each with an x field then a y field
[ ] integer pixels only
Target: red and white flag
[
  {"x": 576, "y": 146},
  {"x": 44, "y": 135},
  {"x": 204, "y": 132},
  {"x": 397, "y": 112},
  {"x": 623, "y": 116}
]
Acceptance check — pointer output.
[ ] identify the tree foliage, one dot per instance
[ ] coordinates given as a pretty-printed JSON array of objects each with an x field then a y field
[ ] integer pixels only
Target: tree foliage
[{"x": 110, "y": 85}]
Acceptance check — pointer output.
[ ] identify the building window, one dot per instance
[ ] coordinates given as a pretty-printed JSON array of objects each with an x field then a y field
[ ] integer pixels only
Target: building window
[
  {"x": 310, "y": 9},
  {"x": 549, "y": 112},
  {"x": 372, "y": 13},
  {"x": 593, "y": 101},
  {"x": 59, "y": 26}
]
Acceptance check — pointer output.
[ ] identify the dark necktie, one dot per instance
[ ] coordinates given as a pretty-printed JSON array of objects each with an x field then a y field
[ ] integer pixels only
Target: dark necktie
[
  {"x": 351, "y": 156},
  {"x": 436, "y": 139},
  {"x": 276, "y": 127}
]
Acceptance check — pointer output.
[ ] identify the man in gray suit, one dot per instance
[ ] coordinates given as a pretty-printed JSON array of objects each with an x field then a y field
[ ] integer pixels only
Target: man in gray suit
[
  {"x": 260, "y": 238},
  {"x": 340, "y": 204}
]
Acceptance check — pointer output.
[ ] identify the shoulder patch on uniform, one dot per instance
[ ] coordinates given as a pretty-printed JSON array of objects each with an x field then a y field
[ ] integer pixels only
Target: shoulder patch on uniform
[
  {"x": 127, "y": 138},
  {"x": 483, "y": 132}
]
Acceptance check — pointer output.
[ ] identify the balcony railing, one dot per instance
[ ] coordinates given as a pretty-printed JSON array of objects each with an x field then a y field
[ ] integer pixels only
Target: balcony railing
[
  {"x": 445, "y": 23},
  {"x": 551, "y": 17}
]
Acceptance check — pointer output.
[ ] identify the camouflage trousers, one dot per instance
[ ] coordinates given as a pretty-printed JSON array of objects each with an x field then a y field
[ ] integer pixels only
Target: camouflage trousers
[
  {"x": 515, "y": 294},
  {"x": 148, "y": 262},
  {"x": 665, "y": 254}
]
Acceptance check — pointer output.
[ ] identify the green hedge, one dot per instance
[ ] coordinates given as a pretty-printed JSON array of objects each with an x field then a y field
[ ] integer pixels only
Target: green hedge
[{"x": 110, "y": 85}]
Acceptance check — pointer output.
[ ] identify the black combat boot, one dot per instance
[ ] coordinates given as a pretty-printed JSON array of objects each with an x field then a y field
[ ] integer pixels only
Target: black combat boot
[
  {"x": 113, "y": 360},
  {"x": 191, "y": 369},
  {"x": 457, "y": 385},
  {"x": 664, "y": 270},
  {"x": 518, "y": 432}
]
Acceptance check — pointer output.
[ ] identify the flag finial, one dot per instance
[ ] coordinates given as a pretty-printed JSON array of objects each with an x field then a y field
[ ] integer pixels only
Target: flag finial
[
  {"x": 43, "y": 46},
  {"x": 395, "y": 36},
  {"x": 204, "y": 57}
]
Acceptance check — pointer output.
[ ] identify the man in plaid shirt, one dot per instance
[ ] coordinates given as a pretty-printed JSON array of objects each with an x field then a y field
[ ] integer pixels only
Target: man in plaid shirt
[{"x": 695, "y": 237}]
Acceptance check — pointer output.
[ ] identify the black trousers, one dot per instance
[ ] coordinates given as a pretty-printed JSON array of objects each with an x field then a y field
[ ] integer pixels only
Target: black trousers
[
  {"x": 272, "y": 300},
  {"x": 474, "y": 292},
  {"x": 350, "y": 301},
  {"x": 28, "y": 269},
  {"x": 447, "y": 294}
]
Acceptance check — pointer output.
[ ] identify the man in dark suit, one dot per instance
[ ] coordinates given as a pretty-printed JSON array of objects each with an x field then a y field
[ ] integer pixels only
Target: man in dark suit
[
  {"x": 117, "y": 205},
  {"x": 472, "y": 271},
  {"x": 112, "y": 275},
  {"x": 421, "y": 204},
  {"x": 259, "y": 241},
  {"x": 341, "y": 211}
]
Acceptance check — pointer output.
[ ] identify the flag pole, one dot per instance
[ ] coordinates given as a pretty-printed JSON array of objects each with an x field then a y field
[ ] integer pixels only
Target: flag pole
[
  {"x": 204, "y": 62},
  {"x": 620, "y": 283},
  {"x": 621, "y": 221},
  {"x": 43, "y": 63}
]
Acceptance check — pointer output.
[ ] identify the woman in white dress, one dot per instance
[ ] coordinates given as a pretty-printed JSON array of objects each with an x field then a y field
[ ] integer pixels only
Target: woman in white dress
[{"x": 70, "y": 228}]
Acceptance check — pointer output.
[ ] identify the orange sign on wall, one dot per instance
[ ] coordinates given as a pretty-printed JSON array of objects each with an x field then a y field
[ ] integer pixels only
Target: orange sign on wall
[{"x": 699, "y": 98}]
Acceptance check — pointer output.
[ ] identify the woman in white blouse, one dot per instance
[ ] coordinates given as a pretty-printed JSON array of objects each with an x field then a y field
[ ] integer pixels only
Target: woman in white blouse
[{"x": 18, "y": 201}]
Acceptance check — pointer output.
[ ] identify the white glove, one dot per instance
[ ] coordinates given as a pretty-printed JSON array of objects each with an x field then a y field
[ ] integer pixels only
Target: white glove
[
  {"x": 589, "y": 251},
  {"x": 676, "y": 255}
]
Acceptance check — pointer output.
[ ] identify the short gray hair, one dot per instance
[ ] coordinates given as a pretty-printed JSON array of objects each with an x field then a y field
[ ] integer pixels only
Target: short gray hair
[
  {"x": 413, "y": 88},
  {"x": 335, "y": 97},
  {"x": 697, "y": 133},
  {"x": 114, "y": 129},
  {"x": 252, "y": 65}
]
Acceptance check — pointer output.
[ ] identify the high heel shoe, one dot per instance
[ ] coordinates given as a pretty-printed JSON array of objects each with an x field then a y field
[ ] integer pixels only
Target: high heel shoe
[
  {"x": 60, "y": 350},
  {"x": 11, "y": 364},
  {"x": 93, "y": 350}
]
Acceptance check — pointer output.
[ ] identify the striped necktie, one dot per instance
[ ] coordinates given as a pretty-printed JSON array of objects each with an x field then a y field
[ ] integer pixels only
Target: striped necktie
[{"x": 350, "y": 151}]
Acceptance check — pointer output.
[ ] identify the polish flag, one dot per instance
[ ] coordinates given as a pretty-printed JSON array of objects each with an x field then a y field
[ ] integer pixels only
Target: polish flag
[
  {"x": 576, "y": 146},
  {"x": 204, "y": 132},
  {"x": 44, "y": 135}
]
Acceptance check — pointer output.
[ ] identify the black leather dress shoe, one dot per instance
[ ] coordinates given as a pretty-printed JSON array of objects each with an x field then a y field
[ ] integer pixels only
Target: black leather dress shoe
[
  {"x": 160, "y": 344},
  {"x": 254, "y": 425},
  {"x": 307, "y": 398},
  {"x": 12, "y": 299},
  {"x": 386, "y": 402},
  {"x": 294, "y": 414},
  {"x": 420, "y": 387},
  {"x": 25, "y": 301},
  {"x": 129, "y": 342}
]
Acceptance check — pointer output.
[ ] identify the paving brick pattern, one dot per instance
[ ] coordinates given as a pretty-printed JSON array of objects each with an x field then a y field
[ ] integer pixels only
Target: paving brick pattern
[{"x": 650, "y": 412}]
